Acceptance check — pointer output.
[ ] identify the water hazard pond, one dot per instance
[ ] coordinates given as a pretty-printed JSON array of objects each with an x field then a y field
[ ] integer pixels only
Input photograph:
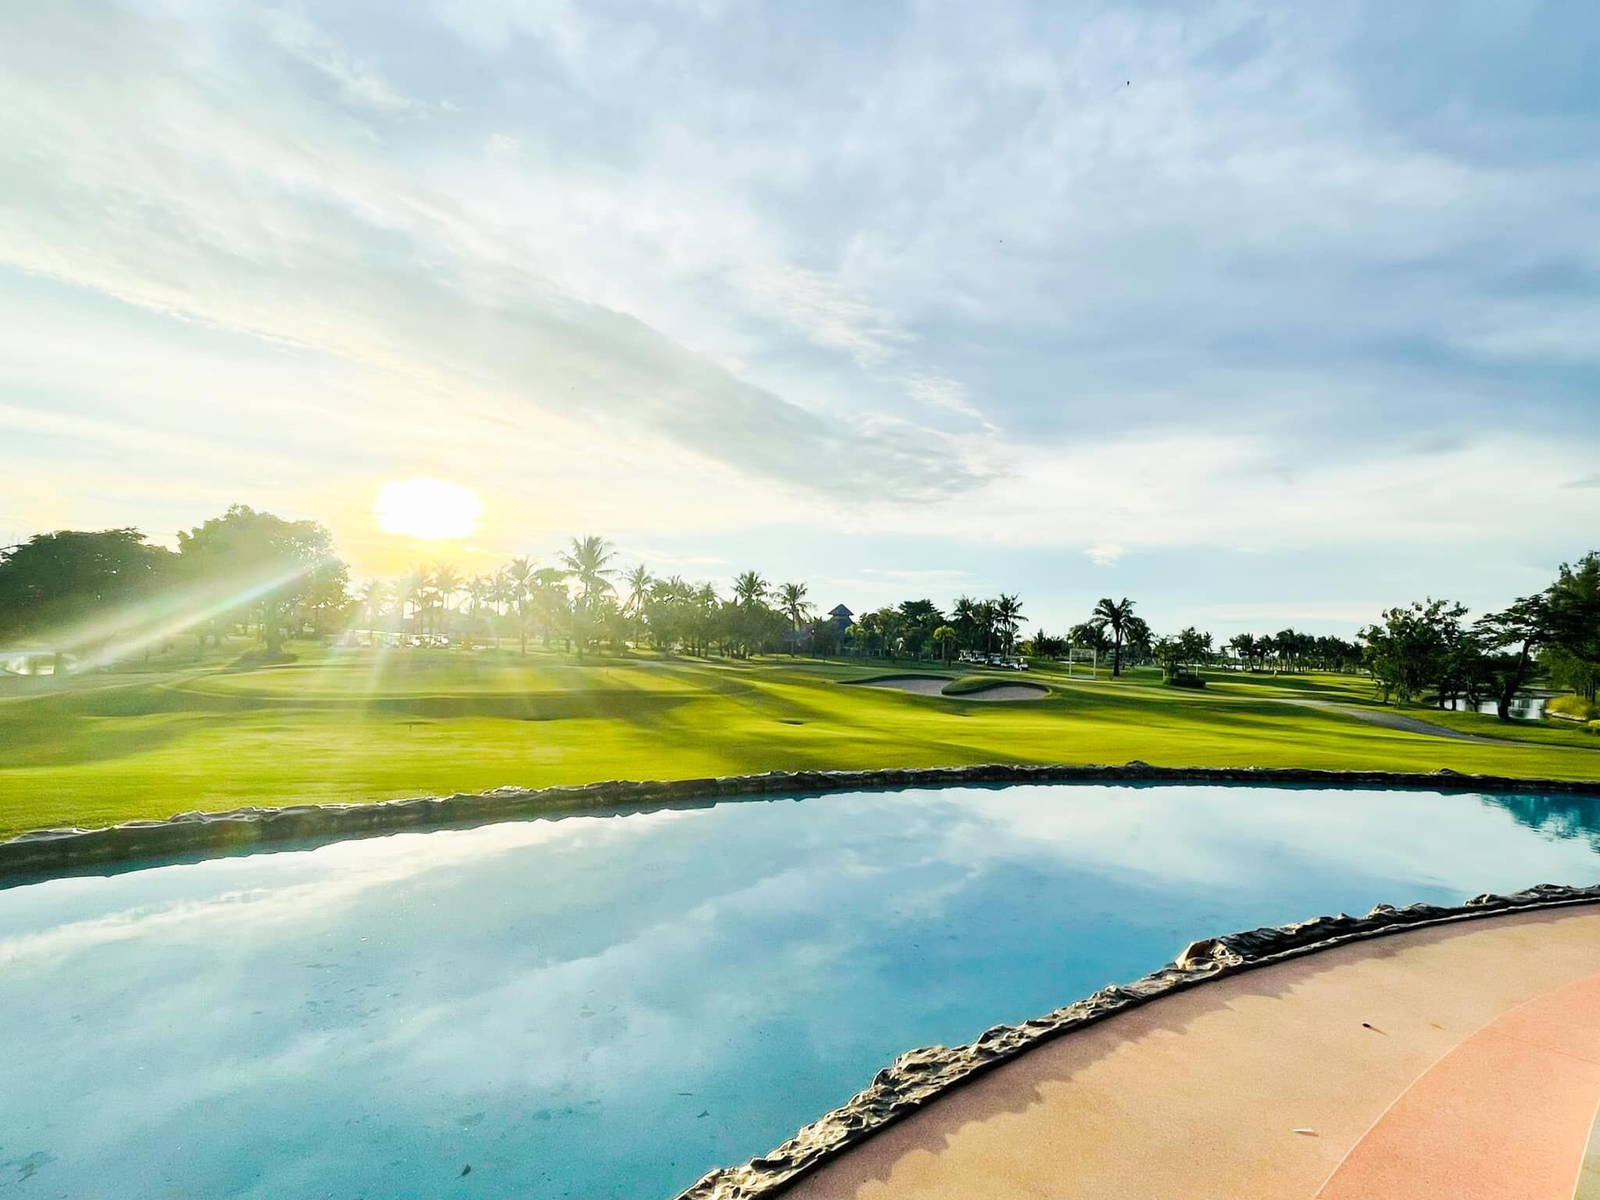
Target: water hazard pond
[{"x": 610, "y": 1006}]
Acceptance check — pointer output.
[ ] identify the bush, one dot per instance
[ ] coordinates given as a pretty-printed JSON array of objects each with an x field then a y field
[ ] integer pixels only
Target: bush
[
  {"x": 1185, "y": 681},
  {"x": 1573, "y": 707}
]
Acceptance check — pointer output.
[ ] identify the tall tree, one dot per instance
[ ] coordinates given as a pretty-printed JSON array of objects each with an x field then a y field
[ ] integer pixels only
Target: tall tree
[
  {"x": 749, "y": 587},
  {"x": 55, "y": 585},
  {"x": 444, "y": 582},
  {"x": 516, "y": 575},
  {"x": 588, "y": 559},
  {"x": 792, "y": 603},
  {"x": 1408, "y": 650},
  {"x": 1572, "y": 606},
  {"x": 267, "y": 564},
  {"x": 638, "y": 582},
  {"x": 1008, "y": 616},
  {"x": 1114, "y": 615}
]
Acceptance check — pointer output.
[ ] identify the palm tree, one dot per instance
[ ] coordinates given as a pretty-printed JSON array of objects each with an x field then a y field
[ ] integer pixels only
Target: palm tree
[
  {"x": 1114, "y": 615},
  {"x": 414, "y": 591},
  {"x": 1137, "y": 636},
  {"x": 371, "y": 596},
  {"x": 638, "y": 581},
  {"x": 586, "y": 561},
  {"x": 1244, "y": 646},
  {"x": 983, "y": 616},
  {"x": 793, "y": 604},
  {"x": 1008, "y": 615},
  {"x": 516, "y": 575},
  {"x": 1265, "y": 649},
  {"x": 944, "y": 636},
  {"x": 552, "y": 607},
  {"x": 750, "y": 587},
  {"x": 446, "y": 583},
  {"x": 499, "y": 596}
]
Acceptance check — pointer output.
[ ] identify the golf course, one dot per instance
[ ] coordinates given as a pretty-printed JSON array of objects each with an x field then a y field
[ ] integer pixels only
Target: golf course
[{"x": 149, "y": 740}]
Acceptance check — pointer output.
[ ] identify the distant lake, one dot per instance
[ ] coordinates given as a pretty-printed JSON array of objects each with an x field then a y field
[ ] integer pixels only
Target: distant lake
[{"x": 1523, "y": 708}]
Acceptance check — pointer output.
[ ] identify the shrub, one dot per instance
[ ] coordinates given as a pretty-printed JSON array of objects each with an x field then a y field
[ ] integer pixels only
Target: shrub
[
  {"x": 1186, "y": 681},
  {"x": 1574, "y": 707}
]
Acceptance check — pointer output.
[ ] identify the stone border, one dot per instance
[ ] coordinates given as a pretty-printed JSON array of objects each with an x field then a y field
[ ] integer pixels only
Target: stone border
[
  {"x": 920, "y": 1076},
  {"x": 47, "y": 852}
]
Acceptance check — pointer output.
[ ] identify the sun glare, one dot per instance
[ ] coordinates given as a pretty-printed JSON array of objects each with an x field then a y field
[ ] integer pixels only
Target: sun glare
[{"x": 427, "y": 508}]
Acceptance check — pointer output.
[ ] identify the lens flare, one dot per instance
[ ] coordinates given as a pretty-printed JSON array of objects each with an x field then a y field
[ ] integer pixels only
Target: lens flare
[{"x": 429, "y": 509}]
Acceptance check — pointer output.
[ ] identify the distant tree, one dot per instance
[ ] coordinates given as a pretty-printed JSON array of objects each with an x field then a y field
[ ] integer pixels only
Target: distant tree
[
  {"x": 1007, "y": 617},
  {"x": 1047, "y": 646},
  {"x": 1138, "y": 638},
  {"x": 266, "y": 564},
  {"x": 945, "y": 637},
  {"x": 918, "y": 620},
  {"x": 517, "y": 576},
  {"x": 1244, "y": 646},
  {"x": 444, "y": 583},
  {"x": 1189, "y": 648},
  {"x": 373, "y": 598},
  {"x": 588, "y": 559},
  {"x": 552, "y": 608},
  {"x": 1114, "y": 615},
  {"x": 983, "y": 613},
  {"x": 53, "y": 583},
  {"x": 1408, "y": 650},
  {"x": 1265, "y": 649},
  {"x": 638, "y": 583},
  {"x": 1572, "y": 618},
  {"x": 965, "y": 618},
  {"x": 792, "y": 603},
  {"x": 750, "y": 587},
  {"x": 1091, "y": 635}
]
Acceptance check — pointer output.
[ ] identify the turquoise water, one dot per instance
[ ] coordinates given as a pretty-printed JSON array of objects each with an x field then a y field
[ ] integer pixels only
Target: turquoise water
[{"x": 609, "y": 1006}]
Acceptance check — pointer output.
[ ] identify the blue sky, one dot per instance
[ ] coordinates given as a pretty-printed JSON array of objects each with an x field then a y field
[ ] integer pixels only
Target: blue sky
[{"x": 1261, "y": 314}]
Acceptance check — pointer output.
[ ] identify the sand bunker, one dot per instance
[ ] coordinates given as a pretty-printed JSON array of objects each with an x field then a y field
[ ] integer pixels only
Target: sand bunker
[
  {"x": 922, "y": 685},
  {"x": 934, "y": 685},
  {"x": 1006, "y": 691}
]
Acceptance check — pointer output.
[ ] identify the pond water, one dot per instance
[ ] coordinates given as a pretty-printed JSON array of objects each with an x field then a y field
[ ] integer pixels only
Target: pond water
[
  {"x": 1523, "y": 708},
  {"x": 609, "y": 1006}
]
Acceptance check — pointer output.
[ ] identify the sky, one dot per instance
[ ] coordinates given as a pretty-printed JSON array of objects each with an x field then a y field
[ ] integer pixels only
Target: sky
[{"x": 1259, "y": 314}]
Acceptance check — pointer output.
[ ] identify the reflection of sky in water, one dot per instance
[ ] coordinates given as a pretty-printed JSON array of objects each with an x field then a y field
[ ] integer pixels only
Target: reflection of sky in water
[{"x": 607, "y": 1007}]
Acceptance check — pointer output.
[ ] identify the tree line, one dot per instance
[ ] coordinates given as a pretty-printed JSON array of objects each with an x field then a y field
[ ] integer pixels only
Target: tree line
[
  {"x": 98, "y": 594},
  {"x": 1429, "y": 648}
]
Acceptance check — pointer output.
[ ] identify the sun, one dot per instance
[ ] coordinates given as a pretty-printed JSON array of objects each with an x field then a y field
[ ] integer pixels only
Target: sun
[{"x": 427, "y": 508}]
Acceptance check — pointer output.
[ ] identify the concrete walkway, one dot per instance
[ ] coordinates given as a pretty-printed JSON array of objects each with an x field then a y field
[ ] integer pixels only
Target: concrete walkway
[{"x": 1462, "y": 1061}]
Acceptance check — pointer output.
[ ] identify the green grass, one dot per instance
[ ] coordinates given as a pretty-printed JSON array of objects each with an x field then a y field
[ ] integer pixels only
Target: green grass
[
  {"x": 361, "y": 726},
  {"x": 969, "y": 684}
]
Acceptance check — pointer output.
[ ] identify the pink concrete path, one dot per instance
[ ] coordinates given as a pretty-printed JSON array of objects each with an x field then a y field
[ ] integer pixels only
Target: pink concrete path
[
  {"x": 1503, "y": 1116},
  {"x": 1461, "y": 1061}
]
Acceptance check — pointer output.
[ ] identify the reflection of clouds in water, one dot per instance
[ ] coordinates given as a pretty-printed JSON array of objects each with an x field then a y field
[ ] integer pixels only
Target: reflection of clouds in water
[
  {"x": 1224, "y": 836},
  {"x": 435, "y": 1042},
  {"x": 342, "y": 873},
  {"x": 576, "y": 967}
]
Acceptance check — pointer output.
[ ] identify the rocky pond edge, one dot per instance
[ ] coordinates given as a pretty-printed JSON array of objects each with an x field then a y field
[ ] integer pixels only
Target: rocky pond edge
[
  {"x": 46, "y": 852},
  {"x": 921, "y": 1076}
]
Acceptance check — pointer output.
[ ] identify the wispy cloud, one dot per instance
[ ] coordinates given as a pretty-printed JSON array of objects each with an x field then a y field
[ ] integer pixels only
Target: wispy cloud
[{"x": 1115, "y": 281}]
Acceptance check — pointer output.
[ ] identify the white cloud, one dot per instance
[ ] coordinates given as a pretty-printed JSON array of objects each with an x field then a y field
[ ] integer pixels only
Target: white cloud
[{"x": 1107, "y": 280}]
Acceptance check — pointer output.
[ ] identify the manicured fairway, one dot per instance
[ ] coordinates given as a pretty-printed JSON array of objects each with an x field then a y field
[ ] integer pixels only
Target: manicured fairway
[{"x": 358, "y": 725}]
